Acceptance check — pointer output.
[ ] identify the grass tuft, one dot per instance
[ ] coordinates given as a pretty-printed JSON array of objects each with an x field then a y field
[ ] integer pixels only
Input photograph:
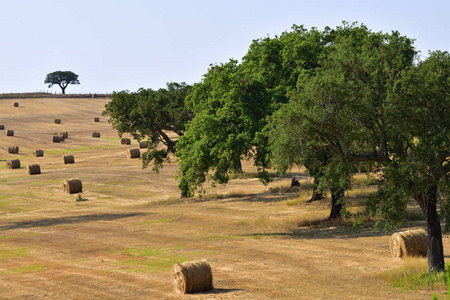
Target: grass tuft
[{"x": 413, "y": 276}]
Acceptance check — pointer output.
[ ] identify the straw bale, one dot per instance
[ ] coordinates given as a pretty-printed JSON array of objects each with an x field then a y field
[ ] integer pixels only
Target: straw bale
[
  {"x": 68, "y": 159},
  {"x": 191, "y": 277},
  {"x": 96, "y": 119},
  {"x": 38, "y": 153},
  {"x": 142, "y": 144},
  {"x": 64, "y": 134},
  {"x": 62, "y": 138},
  {"x": 2, "y": 127},
  {"x": 10, "y": 133},
  {"x": 57, "y": 121},
  {"x": 72, "y": 186},
  {"x": 94, "y": 95},
  {"x": 16, "y": 104},
  {"x": 13, "y": 149},
  {"x": 409, "y": 243},
  {"x": 34, "y": 169},
  {"x": 13, "y": 164},
  {"x": 125, "y": 141},
  {"x": 56, "y": 139},
  {"x": 96, "y": 134},
  {"x": 133, "y": 153}
]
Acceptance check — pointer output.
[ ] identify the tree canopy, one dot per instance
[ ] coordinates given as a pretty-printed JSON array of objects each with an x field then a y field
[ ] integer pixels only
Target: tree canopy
[
  {"x": 151, "y": 114},
  {"x": 61, "y": 78}
]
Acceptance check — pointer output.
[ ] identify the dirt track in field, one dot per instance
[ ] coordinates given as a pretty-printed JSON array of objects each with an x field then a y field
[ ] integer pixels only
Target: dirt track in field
[{"x": 122, "y": 242}]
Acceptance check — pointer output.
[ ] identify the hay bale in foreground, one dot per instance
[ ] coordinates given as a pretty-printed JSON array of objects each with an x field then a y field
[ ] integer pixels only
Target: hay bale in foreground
[
  {"x": 96, "y": 134},
  {"x": 191, "y": 277},
  {"x": 133, "y": 153},
  {"x": 56, "y": 139},
  {"x": 96, "y": 119},
  {"x": 38, "y": 153},
  {"x": 409, "y": 243},
  {"x": 2, "y": 127},
  {"x": 125, "y": 141},
  {"x": 57, "y": 121},
  {"x": 34, "y": 169},
  {"x": 13, "y": 164},
  {"x": 72, "y": 186},
  {"x": 68, "y": 159},
  {"x": 10, "y": 133},
  {"x": 142, "y": 144},
  {"x": 13, "y": 149},
  {"x": 16, "y": 104}
]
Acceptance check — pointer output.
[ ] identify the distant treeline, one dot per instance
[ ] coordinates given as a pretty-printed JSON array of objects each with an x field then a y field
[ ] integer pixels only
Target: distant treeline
[{"x": 49, "y": 95}]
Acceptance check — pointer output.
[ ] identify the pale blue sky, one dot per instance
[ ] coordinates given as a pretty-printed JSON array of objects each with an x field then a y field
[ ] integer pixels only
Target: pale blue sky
[{"x": 124, "y": 45}]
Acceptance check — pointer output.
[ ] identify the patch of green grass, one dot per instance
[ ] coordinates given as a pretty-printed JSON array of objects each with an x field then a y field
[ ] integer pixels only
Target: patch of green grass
[
  {"x": 25, "y": 269},
  {"x": 45, "y": 182},
  {"x": 79, "y": 149},
  {"x": 80, "y": 199},
  {"x": 23, "y": 235},
  {"x": 7, "y": 252},
  {"x": 12, "y": 178},
  {"x": 413, "y": 276},
  {"x": 159, "y": 221},
  {"x": 157, "y": 258}
]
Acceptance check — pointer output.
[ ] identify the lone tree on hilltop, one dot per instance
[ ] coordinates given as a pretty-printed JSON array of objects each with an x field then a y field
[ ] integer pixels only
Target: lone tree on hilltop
[{"x": 62, "y": 78}]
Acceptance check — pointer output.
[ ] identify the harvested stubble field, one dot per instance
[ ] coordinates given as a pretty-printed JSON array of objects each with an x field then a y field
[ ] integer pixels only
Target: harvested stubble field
[{"x": 122, "y": 242}]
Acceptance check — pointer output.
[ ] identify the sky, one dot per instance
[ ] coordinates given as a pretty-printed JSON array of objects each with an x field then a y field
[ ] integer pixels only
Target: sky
[{"x": 128, "y": 44}]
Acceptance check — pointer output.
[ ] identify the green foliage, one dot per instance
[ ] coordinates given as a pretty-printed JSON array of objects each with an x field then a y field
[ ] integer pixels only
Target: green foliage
[
  {"x": 151, "y": 114},
  {"x": 80, "y": 199},
  {"x": 61, "y": 78}
]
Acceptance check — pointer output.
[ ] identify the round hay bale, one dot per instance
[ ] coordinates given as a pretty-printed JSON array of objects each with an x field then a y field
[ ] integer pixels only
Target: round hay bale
[
  {"x": 72, "y": 186},
  {"x": 96, "y": 134},
  {"x": 13, "y": 149},
  {"x": 56, "y": 139},
  {"x": 61, "y": 138},
  {"x": 16, "y": 104},
  {"x": 2, "y": 127},
  {"x": 409, "y": 243},
  {"x": 10, "y": 133},
  {"x": 125, "y": 141},
  {"x": 65, "y": 134},
  {"x": 142, "y": 144},
  {"x": 38, "y": 153},
  {"x": 96, "y": 119},
  {"x": 94, "y": 95},
  {"x": 34, "y": 169},
  {"x": 68, "y": 159},
  {"x": 57, "y": 121},
  {"x": 191, "y": 277},
  {"x": 13, "y": 164},
  {"x": 133, "y": 153}
]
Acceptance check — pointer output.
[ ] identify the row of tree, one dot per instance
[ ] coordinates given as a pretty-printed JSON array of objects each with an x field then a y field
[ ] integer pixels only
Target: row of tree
[{"x": 331, "y": 100}]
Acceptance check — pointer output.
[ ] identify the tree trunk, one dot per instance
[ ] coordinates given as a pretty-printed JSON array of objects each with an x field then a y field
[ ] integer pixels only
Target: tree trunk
[
  {"x": 337, "y": 203},
  {"x": 237, "y": 167},
  {"x": 316, "y": 195},
  {"x": 435, "y": 249},
  {"x": 63, "y": 90}
]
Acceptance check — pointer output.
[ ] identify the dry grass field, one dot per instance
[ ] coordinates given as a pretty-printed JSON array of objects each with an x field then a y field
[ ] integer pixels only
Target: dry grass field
[{"x": 121, "y": 243}]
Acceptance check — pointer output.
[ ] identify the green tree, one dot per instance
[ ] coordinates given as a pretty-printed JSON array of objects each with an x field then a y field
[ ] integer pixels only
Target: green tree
[
  {"x": 368, "y": 102},
  {"x": 61, "y": 78},
  {"x": 151, "y": 114},
  {"x": 232, "y": 102},
  {"x": 420, "y": 151}
]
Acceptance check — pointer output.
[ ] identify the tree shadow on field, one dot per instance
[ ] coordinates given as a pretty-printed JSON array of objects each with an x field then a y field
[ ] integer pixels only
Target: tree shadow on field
[
  {"x": 67, "y": 220},
  {"x": 260, "y": 197},
  {"x": 331, "y": 232}
]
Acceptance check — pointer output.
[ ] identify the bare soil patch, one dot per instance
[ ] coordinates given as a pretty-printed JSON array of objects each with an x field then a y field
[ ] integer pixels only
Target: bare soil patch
[{"x": 123, "y": 241}]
